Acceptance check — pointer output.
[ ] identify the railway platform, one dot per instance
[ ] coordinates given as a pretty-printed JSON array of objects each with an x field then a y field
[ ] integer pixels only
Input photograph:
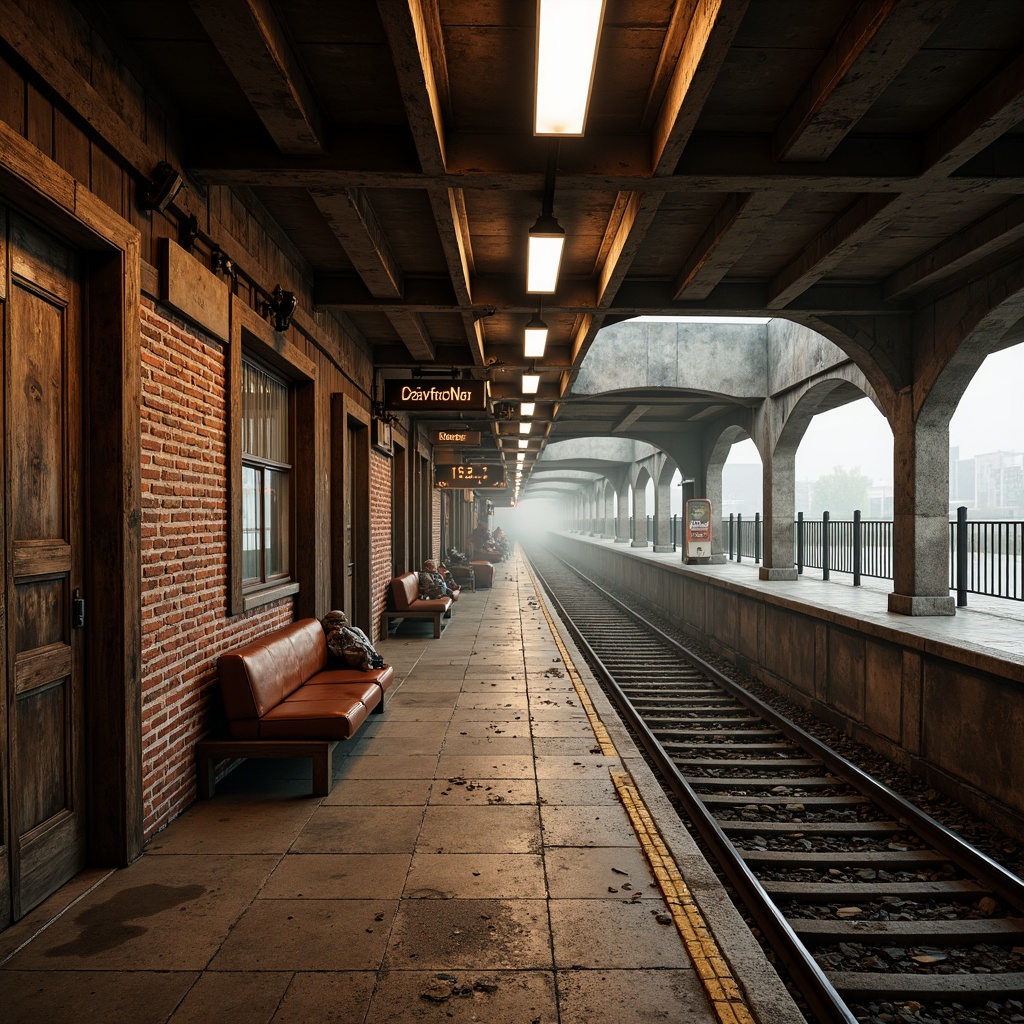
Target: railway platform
[{"x": 493, "y": 849}]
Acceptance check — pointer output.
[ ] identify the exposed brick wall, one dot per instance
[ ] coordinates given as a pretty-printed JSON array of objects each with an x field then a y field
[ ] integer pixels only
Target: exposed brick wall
[
  {"x": 435, "y": 522},
  {"x": 380, "y": 536},
  {"x": 184, "y": 557}
]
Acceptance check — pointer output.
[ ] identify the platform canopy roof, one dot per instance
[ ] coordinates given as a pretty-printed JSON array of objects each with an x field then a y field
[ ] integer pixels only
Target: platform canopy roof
[{"x": 746, "y": 157}]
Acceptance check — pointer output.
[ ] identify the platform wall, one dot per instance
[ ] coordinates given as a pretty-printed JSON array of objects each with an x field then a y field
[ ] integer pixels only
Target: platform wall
[{"x": 955, "y": 717}]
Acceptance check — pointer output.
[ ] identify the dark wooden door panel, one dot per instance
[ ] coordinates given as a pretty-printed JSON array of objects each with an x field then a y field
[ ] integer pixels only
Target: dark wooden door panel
[{"x": 43, "y": 657}]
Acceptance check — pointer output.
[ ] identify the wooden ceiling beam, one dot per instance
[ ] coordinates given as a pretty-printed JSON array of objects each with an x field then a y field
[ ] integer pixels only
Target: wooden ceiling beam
[
  {"x": 873, "y": 45},
  {"x": 987, "y": 114},
  {"x": 857, "y": 224},
  {"x": 1001, "y": 228},
  {"x": 414, "y": 334},
  {"x": 712, "y": 27},
  {"x": 736, "y": 225},
  {"x": 253, "y": 45},
  {"x": 353, "y": 222}
]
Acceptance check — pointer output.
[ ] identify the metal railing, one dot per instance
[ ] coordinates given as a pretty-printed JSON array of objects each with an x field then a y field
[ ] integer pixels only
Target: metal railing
[{"x": 985, "y": 557}]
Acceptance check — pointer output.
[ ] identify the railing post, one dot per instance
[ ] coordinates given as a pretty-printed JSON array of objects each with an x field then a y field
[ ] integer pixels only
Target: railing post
[
  {"x": 732, "y": 535},
  {"x": 961, "y": 557},
  {"x": 675, "y": 523},
  {"x": 824, "y": 545},
  {"x": 757, "y": 538},
  {"x": 856, "y": 547},
  {"x": 739, "y": 536},
  {"x": 799, "y": 543}
]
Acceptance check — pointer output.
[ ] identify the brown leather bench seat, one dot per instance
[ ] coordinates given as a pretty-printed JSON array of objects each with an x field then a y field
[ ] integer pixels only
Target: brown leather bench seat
[
  {"x": 406, "y": 603},
  {"x": 282, "y": 700}
]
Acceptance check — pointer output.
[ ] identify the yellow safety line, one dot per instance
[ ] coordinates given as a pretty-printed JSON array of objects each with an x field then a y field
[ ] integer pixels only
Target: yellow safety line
[{"x": 720, "y": 985}]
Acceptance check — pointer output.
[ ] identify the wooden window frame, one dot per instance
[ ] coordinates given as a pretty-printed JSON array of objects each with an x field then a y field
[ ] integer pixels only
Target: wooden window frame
[{"x": 259, "y": 342}]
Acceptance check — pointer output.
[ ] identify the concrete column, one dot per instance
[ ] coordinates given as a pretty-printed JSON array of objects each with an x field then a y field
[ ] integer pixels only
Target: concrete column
[
  {"x": 921, "y": 514},
  {"x": 779, "y": 498},
  {"x": 622, "y": 515},
  {"x": 708, "y": 484},
  {"x": 607, "y": 511},
  {"x": 662, "y": 515},
  {"x": 639, "y": 517}
]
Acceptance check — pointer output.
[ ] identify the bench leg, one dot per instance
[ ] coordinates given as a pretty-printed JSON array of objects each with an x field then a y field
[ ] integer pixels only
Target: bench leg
[
  {"x": 437, "y": 626},
  {"x": 323, "y": 760},
  {"x": 205, "y": 777}
]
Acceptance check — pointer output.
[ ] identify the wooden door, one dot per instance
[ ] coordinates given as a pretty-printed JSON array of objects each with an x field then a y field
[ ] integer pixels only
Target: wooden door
[{"x": 42, "y": 759}]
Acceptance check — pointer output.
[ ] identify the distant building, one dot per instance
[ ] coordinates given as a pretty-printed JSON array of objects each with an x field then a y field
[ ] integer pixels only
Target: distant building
[
  {"x": 880, "y": 502},
  {"x": 962, "y": 488},
  {"x": 741, "y": 489},
  {"x": 999, "y": 485}
]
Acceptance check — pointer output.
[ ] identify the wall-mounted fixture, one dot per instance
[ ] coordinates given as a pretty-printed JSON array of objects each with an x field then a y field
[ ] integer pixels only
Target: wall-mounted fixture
[
  {"x": 280, "y": 308},
  {"x": 568, "y": 32},
  {"x": 161, "y": 191}
]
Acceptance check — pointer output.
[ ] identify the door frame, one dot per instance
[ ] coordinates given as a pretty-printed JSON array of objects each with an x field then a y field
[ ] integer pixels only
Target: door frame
[{"x": 109, "y": 247}]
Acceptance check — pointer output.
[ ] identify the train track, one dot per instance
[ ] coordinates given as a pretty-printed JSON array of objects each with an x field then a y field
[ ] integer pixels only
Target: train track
[{"x": 862, "y": 895}]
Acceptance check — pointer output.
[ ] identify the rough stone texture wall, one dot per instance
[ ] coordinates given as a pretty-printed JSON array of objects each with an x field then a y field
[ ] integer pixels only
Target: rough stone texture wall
[
  {"x": 380, "y": 537},
  {"x": 184, "y": 557}
]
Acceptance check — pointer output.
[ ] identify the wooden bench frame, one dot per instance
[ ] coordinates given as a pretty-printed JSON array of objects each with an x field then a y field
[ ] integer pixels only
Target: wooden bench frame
[
  {"x": 412, "y": 612},
  {"x": 209, "y": 752},
  {"x": 436, "y": 616}
]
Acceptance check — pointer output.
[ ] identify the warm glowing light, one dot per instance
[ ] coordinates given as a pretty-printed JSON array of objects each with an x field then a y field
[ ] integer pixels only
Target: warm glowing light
[
  {"x": 527, "y": 408},
  {"x": 524, "y": 428},
  {"x": 567, "y": 36},
  {"x": 531, "y": 381},
  {"x": 535, "y": 337},
  {"x": 544, "y": 255},
  {"x": 524, "y": 442},
  {"x": 520, "y": 456}
]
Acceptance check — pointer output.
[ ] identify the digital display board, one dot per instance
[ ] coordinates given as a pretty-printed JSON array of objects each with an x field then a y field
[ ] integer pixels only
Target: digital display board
[
  {"x": 470, "y": 476},
  {"x": 466, "y": 437}
]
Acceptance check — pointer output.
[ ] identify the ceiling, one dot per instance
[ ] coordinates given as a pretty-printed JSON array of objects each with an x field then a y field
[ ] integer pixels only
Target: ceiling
[{"x": 759, "y": 157}]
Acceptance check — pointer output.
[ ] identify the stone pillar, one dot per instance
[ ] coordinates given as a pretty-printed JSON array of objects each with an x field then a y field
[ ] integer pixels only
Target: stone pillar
[
  {"x": 662, "y": 514},
  {"x": 608, "y": 512},
  {"x": 779, "y": 497},
  {"x": 920, "y": 514},
  {"x": 639, "y": 517},
  {"x": 622, "y": 514},
  {"x": 709, "y": 485}
]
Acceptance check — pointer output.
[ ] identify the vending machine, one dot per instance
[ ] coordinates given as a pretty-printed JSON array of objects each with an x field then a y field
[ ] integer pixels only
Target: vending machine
[{"x": 698, "y": 530}]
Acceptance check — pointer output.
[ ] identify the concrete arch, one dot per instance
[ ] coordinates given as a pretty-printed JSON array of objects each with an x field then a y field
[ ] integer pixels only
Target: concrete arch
[{"x": 640, "y": 476}]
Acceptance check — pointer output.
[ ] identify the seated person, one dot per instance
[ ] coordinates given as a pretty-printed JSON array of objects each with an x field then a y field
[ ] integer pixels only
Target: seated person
[
  {"x": 432, "y": 582},
  {"x": 348, "y": 646}
]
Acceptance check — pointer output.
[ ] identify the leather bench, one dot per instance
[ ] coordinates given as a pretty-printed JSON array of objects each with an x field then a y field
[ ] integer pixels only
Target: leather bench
[
  {"x": 484, "y": 573},
  {"x": 282, "y": 700},
  {"x": 406, "y": 603}
]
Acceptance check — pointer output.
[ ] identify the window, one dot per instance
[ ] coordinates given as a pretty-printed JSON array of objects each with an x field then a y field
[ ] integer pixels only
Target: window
[{"x": 266, "y": 477}]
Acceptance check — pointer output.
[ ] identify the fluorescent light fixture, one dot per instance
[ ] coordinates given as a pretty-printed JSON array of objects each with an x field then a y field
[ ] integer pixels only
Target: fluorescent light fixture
[
  {"x": 520, "y": 456},
  {"x": 531, "y": 381},
  {"x": 535, "y": 336},
  {"x": 567, "y": 36},
  {"x": 524, "y": 442},
  {"x": 524, "y": 428},
  {"x": 527, "y": 408},
  {"x": 544, "y": 255}
]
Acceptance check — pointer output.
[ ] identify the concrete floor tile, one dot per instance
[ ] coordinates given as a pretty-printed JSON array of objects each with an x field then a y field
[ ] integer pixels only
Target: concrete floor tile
[
  {"x": 564, "y": 728},
  {"x": 475, "y": 876},
  {"x": 390, "y": 745},
  {"x": 611, "y": 997},
  {"x": 373, "y": 792},
  {"x": 338, "y": 876},
  {"x": 566, "y": 746},
  {"x": 487, "y": 746},
  {"x": 592, "y": 767},
  {"x": 449, "y": 792},
  {"x": 242, "y": 998},
  {"x": 492, "y": 725},
  {"x": 421, "y": 699},
  {"x": 559, "y": 714},
  {"x": 461, "y": 935},
  {"x": 168, "y": 913},
  {"x": 397, "y": 713},
  {"x": 360, "y": 830},
  {"x": 383, "y": 727},
  {"x": 630, "y": 935},
  {"x": 235, "y": 824},
  {"x": 577, "y": 791},
  {"x": 338, "y": 997},
  {"x": 508, "y": 712},
  {"x": 491, "y": 997},
  {"x": 308, "y": 935},
  {"x": 587, "y": 873},
  {"x": 592, "y": 825},
  {"x": 470, "y": 766},
  {"x": 414, "y": 766},
  {"x": 113, "y": 997},
  {"x": 490, "y": 703},
  {"x": 492, "y": 829}
]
